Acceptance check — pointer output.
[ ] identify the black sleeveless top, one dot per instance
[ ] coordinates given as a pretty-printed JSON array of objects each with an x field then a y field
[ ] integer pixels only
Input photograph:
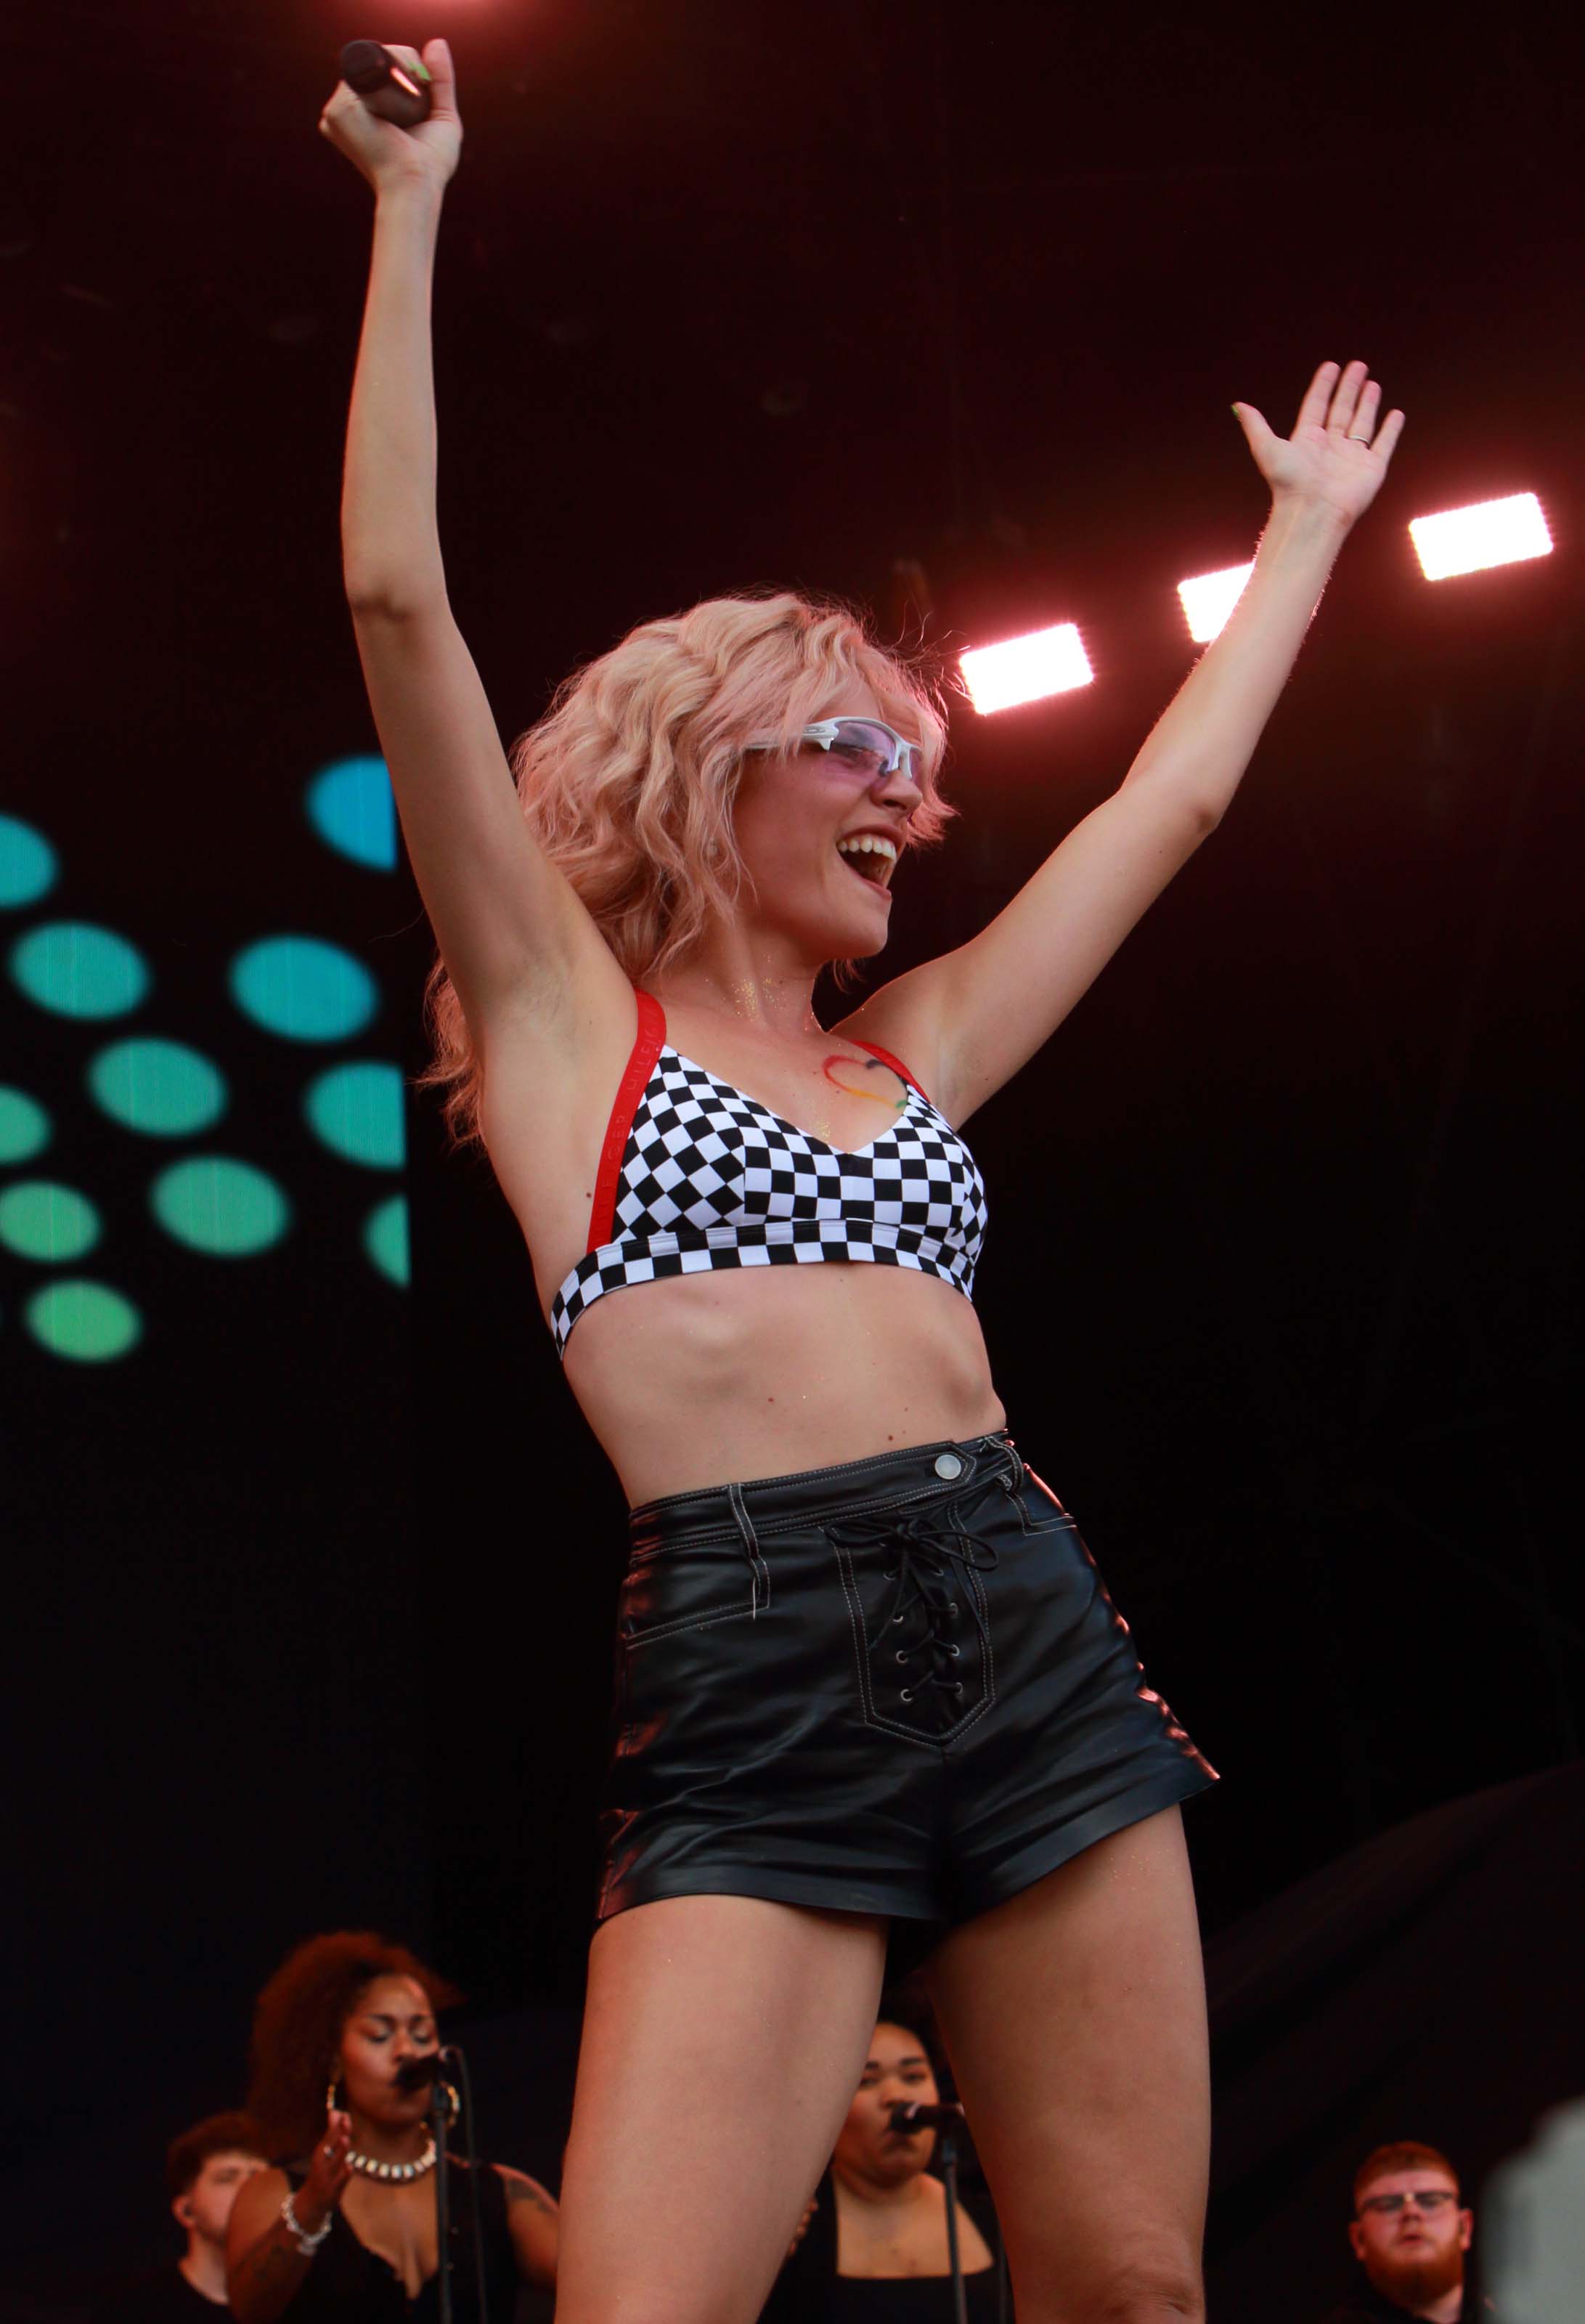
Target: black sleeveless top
[
  {"x": 906, "y": 2299},
  {"x": 809, "y": 2290},
  {"x": 348, "y": 2284}
]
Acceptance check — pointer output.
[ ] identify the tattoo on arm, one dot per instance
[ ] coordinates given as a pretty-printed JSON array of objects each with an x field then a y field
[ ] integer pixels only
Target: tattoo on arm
[
  {"x": 264, "y": 2263},
  {"x": 521, "y": 2189}
]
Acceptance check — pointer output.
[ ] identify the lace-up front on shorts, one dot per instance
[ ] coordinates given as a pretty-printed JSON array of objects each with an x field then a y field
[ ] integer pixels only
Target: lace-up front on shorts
[
  {"x": 895, "y": 1687},
  {"x": 922, "y": 1617}
]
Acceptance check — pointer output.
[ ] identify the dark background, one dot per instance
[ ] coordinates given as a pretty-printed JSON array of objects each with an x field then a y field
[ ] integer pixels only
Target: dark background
[{"x": 311, "y": 1592}]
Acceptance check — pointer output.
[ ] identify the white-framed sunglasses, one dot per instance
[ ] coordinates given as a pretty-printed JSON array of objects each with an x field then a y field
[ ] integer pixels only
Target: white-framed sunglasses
[{"x": 867, "y": 742}]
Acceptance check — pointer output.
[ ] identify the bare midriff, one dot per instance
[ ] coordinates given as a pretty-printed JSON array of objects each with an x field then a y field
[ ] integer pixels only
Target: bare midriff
[{"x": 719, "y": 1378}]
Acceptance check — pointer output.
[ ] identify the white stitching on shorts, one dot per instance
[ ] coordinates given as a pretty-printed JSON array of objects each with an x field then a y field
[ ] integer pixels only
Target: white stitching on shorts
[{"x": 757, "y": 1566}]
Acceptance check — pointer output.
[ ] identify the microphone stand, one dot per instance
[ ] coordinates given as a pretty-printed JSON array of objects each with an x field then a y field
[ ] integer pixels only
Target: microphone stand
[
  {"x": 946, "y": 2152},
  {"x": 438, "y": 2126}
]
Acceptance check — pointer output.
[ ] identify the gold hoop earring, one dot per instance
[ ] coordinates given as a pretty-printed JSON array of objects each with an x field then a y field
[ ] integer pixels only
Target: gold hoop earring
[
  {"x": 453, "y": 2106},
  {"x": 331, "y": 2099}
]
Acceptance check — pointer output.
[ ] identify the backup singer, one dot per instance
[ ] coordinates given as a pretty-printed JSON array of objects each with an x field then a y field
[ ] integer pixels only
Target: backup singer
[
  {"x": 876, "y": 2250},
  {"x": 341, "y": 2229},
  {"x": 868, "y": 1671}
]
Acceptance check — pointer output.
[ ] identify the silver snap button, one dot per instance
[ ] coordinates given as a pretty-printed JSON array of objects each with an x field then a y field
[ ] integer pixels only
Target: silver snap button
[{"x": 947, "y": 1464}]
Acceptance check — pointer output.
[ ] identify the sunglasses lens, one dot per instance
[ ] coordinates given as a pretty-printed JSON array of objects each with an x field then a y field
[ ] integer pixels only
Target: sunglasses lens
[{"x": 875, "y": 742}]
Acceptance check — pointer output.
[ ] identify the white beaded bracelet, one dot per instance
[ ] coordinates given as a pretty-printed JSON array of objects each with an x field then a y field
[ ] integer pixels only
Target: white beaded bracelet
[{"x": 308, "y": 2244}]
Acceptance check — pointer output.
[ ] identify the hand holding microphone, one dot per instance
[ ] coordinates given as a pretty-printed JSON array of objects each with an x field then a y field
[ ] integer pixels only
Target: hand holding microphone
[
  {"x": 392, "y": 90},
  {"x": 394, "y": 113}
]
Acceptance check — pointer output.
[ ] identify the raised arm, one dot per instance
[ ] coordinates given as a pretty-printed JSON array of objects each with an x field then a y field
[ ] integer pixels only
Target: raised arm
[
  {"x": 265, "y": 2261},
  {"x": 981, "y": 1012},
  {"x": 514, "y": 935}
]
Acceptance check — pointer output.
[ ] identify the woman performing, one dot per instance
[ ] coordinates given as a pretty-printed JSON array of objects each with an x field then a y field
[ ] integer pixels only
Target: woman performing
[
  {"x": 342, "y": 2230},
  {"x": 867, "y": 1669},
  {"x": 877, "y": 2248}
]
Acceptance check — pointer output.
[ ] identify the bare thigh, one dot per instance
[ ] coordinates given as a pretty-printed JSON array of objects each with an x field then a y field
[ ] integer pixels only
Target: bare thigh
[
  {"x": 724, "y": 2039},
  {"x": 1075, "y": 2016}
]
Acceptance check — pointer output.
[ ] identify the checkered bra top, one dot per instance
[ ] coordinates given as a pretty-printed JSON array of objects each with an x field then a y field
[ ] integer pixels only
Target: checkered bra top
[{"x": 696, "y": 1175}]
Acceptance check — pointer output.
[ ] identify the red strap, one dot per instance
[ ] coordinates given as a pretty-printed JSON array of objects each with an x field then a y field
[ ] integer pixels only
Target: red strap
[
  {"x": 886, "y": 1058},
  {"x": 641, "y": 1064}
]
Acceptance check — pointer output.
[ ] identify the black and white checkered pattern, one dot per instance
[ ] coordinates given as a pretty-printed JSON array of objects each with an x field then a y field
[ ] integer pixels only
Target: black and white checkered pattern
[{"x": 710, "y": 1179}]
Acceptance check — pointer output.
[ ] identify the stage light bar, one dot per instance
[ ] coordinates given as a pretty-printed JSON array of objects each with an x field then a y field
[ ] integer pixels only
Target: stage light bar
[
  {"x": 1209, "y": 597},
  {"x": 1472, "y": 540},
  {"x": 1026, "y": 669}
]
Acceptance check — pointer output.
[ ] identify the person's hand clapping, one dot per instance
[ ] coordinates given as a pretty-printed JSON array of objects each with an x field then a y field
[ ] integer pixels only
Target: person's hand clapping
[
  {"x": 426, "y": 155},
  {"x": 328, "y": 2173}
]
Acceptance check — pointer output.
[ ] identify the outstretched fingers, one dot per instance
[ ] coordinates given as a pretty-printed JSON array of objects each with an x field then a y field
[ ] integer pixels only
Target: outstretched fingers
[
  {"x": 1391, "y": 429},
  {"x": 1361, "y": 422},
  {"x": 1317, "y": 397},
  {"x": 1352, "y": 385},
  {"x": 1357, "y": 420}
]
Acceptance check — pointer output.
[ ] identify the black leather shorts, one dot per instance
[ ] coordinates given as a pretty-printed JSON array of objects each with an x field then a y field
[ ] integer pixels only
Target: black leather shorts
[{"x": 897, "y": 1686}]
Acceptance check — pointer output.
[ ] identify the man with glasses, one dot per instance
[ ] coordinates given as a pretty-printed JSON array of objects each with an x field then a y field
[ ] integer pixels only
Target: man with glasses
[{"x": 1410, "y": 2234}]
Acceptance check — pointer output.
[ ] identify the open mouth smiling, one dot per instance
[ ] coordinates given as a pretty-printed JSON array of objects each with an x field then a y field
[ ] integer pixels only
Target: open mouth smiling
[{"x": 872, "y": 857}]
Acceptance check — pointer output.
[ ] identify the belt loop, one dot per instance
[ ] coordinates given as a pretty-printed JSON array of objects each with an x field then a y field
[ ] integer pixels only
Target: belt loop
[{"x": 758, "y": 1570}]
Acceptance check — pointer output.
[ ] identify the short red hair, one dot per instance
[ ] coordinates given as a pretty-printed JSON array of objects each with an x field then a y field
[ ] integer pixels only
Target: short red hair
[
  {"x": 1403, "y": 2155},
  {"x": 218, "y": 2133}
]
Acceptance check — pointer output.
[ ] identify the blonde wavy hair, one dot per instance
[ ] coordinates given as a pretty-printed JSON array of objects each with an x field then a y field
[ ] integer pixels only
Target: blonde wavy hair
[{"x": 627, "y": 783}]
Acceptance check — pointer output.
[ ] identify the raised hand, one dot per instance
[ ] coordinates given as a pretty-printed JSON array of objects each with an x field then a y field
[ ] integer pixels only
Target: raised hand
[
  {"x": 386, "y": 155},
  {"x": 1336, "y": 454},
  {"x": 329, "y": 2171}
]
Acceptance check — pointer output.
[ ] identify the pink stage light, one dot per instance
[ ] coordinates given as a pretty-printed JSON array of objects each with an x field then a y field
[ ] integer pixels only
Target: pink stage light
[
  {"x": 1471, "y": 539},
  {"x": 1209, "y": 597},
  {"x": 1026, "y": 669}
]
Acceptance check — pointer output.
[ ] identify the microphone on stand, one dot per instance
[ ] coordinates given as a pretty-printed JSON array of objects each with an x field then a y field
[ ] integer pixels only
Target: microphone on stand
[
  {"x": 396, "y": 92},
  {"x": 418, "y": 2074},
  {"x": 908, "y": 2114}
]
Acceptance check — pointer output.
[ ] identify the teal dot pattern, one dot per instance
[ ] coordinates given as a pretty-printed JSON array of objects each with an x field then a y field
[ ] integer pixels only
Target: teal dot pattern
[
  {"x": 387, "y": 1243},
  {"x": 42, "y": 1220},
  {"x": 28, "y": 864},
  {"x": 357, "y": 1110},
  {"x": 303, "y": 988},
  {"x": 24, "y": 1126},
  {"x": 87, "y": 1322},
  {"x": 349, "y": 804},
  {"x": 225, "y": 1208},
  {"x": 162, "y": 1088},
  {"x": 77, "y": 969}
]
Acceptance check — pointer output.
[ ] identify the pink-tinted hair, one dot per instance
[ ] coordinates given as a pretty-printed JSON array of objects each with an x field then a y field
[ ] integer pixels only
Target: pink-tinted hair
[{"x": 627, "y": 782}]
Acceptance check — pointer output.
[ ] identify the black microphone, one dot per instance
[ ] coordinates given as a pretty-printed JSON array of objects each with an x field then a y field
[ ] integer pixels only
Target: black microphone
[
  {"x": 396, "y": 92},
  {"x": 908, "y": 2114},
  {"x": 418, "y": 2074}
]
